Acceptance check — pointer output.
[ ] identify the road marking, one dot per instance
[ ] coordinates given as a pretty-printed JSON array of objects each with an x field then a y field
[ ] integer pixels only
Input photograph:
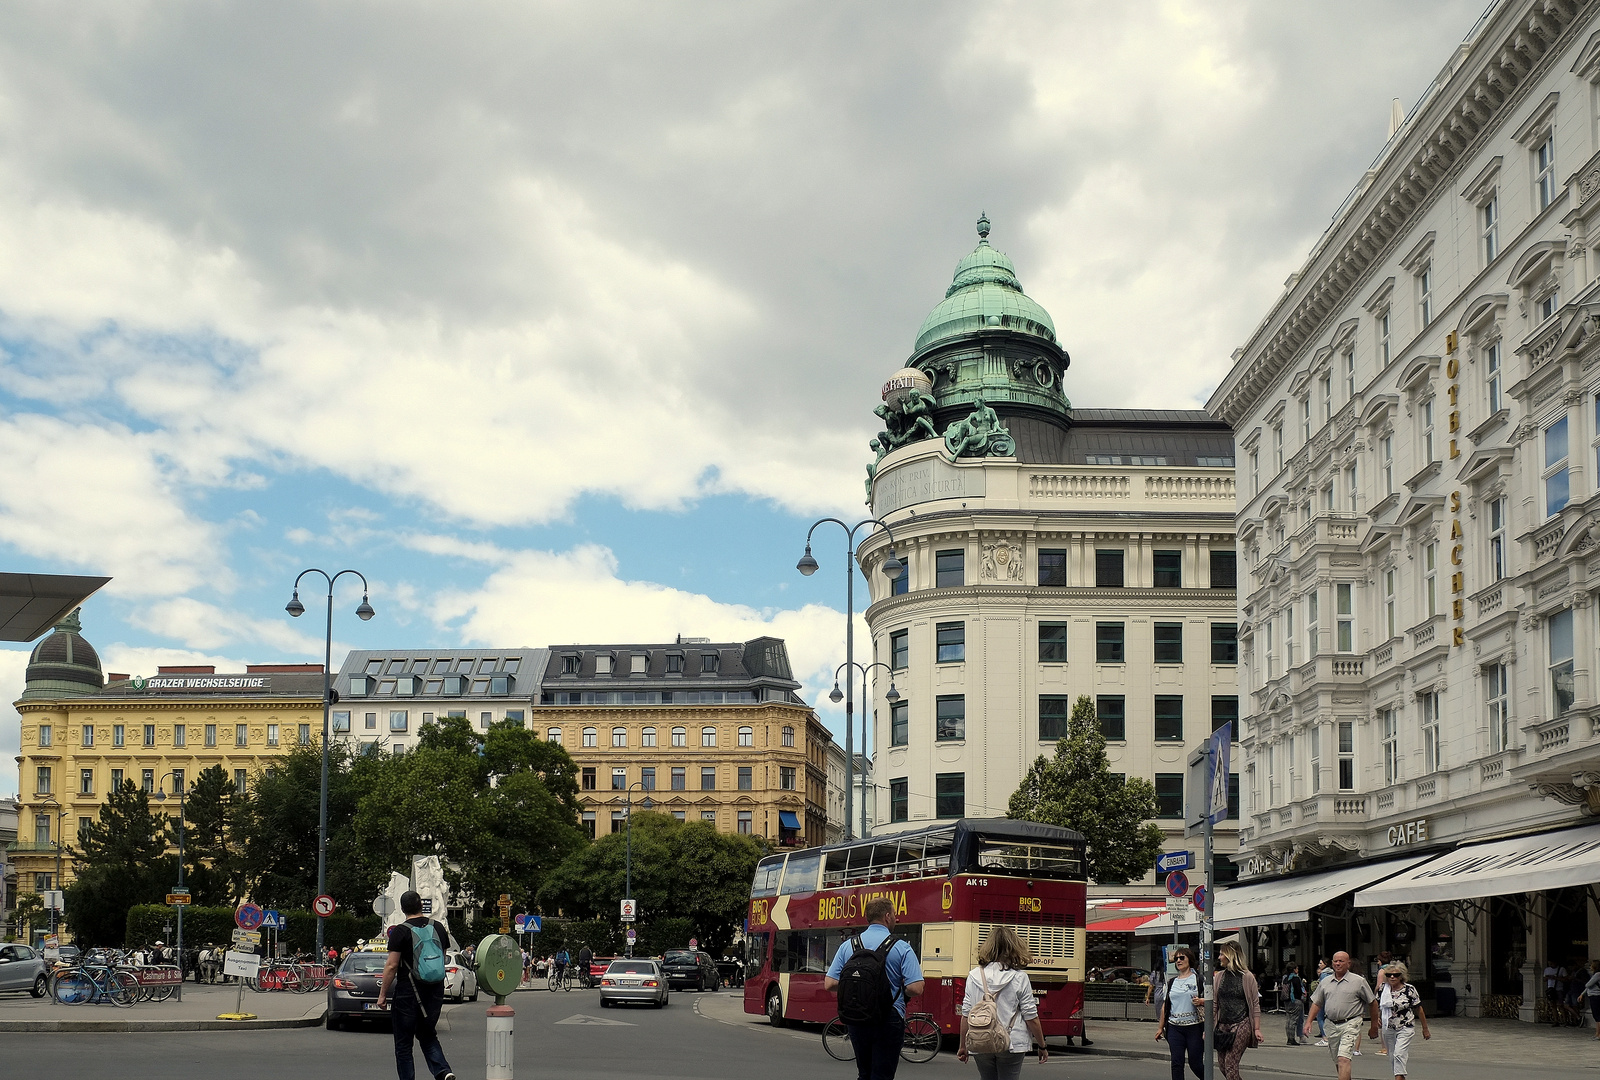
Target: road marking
[{"x": 601, "y": 1021}]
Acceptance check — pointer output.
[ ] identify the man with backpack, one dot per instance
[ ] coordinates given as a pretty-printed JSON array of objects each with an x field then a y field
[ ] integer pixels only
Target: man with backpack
[
  {"x": 1294, "y": 1004},
  {"x": 413, "y": 977},
  {"x": 874, "y": 973}
]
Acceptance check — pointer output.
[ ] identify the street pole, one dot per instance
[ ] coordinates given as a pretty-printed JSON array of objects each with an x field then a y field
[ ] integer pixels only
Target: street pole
[
  {"x": 364, "y": 612},
  {"x": 1205, "y": 951},
  {"x": 627, "y": 886},
  {"x": 182, "y": 795},
  {"x": 56, "y": 881},
  {"x": 891, "y": 697}
]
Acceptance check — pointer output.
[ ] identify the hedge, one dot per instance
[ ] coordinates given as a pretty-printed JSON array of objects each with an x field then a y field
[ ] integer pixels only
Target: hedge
[{"x": 215, "y": 926}]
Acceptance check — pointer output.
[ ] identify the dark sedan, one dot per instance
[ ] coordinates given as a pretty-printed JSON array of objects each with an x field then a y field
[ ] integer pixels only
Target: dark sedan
[
  {"x": 690, "y": 968},
  {"x": 353, "y": 994}
]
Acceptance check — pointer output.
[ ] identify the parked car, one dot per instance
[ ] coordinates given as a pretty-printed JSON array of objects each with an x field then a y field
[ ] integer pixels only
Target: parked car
[
  {"x": 353, "y": 993},
  {"x": 690, "y": 968},
  {"x": 460, "y": 981},
  {"x": 1119, "y": 974},
  {"x": 22, "y": 968},
  {"x": 633, "y": 981}
]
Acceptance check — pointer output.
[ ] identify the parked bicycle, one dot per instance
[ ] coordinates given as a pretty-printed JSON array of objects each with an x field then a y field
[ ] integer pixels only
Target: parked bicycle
[
  {"x": 87, "y": 983},
  {"x": 921, "y": 1041}
]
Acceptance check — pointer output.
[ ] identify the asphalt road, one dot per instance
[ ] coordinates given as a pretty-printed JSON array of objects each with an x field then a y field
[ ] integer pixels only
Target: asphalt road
[{"x": 561, "y": 1035}]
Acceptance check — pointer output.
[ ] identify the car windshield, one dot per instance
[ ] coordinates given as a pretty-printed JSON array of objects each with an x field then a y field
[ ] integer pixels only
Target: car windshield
[
  {"x": 677, "y": 954},
  {"x": 364, "y": 963},
  {"x": 631, "y": 967}
]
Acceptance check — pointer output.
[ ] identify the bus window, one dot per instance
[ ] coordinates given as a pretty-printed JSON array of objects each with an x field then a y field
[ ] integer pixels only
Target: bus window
[
  {"x": 909, "y": 863},
  {"x": 884, "y": 857},
  {"x": 768, "y": 871},
  {"x": 1035, "y": 860},
  {"x": 755, "y": 953},
  {"x": 936, "y": 852},
  {"x": 801, "y": 875},
  {"x": 860, "y": 868},
  {"x": 833, "y": 869}
]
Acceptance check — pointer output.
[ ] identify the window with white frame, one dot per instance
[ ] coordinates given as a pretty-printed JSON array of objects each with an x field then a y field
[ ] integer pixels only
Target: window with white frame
[
  {"x": 1497, "y": 692},
  {"x": 1255, "y": 788},
  {"x": 1432, "y": 749},
  {"x": 1497, "y": 539},
  {"x": 1325, "y": 388},
  {"x": 1384, "y": 352},
  {"x": 1314, "y": 738},
  {"x": 1386, "y": 462},
  {"x": 1347, "y": 755},
  {"x": 1597, "y": 436},
  {"x": 1489, "y": 228},
  {"x": 1272, "y": 775},
  {"x": 1345, "y": 610},
  {"x": 1389, "y": 602},
  {"x": 1352, "y": 491},
  {"x": 1277, "y": 448},
  {"x": 1430, "y": 580},
  {"x": 1544, "y": 172},
  {"x": 1305, "y": 418},
  {"x": 1288, "y": 634},
  {"x": 1549, "y": 304},
  {"x": 1491, "y": 372},
  {"x": 1272, "y": 659},
  {"x": 1559, "y": 637},
  {"x": 1255, "y": 473},
  {"x": 1327, "y": 498},
  {"x": 1311, "y": 623},
  {"x": 1427, "y": 431},
  {"x": 1389, "y": 738},
  {"x": 1557, "y": 488},
  {"x": 1349, "y": 373},
  {"x": 1425, "y": 294}
]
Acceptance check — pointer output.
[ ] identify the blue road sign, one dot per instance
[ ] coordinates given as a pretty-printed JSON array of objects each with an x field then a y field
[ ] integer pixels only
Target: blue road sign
[
  {"x": 1201, "y": 898},
  {"x": 529, "y": 924},
  {"x": 1169, "y": 861},
  {"x": 272, "y": 921},
  {"x": 1177, "y": 883}
]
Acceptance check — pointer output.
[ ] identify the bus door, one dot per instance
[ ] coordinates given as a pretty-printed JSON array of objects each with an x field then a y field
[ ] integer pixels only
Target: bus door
[{"x": 942, "y": 972}]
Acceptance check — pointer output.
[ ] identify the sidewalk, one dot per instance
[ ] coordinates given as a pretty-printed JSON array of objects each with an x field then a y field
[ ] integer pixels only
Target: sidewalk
[{"x": 196, "y": 1012}]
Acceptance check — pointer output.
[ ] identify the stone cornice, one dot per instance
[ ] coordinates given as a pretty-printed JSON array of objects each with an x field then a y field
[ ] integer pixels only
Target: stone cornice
[
  {"x": 975, "y": 600},
  {"x": 131, "y": 705}
]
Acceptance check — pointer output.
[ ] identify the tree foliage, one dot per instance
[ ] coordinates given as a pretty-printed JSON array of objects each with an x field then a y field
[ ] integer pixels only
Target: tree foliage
[
  {"x": 1076, "y": 788},
  {"x": 210, "y": 855},
  {"x": 121, "y": 861}
]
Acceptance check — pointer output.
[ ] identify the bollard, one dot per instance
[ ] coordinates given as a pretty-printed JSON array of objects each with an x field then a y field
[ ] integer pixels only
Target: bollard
[{"x": 498, "y": 1047}]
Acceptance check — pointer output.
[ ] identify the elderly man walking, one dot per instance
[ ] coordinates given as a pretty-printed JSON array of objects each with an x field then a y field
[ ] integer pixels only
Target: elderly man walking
[{"x": 1346, "y": 1000}]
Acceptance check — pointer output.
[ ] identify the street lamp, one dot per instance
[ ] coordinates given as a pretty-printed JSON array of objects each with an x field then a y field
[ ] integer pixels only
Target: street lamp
[
  {"x": 891, "y": 697},
  {"x": 61, "y": 813},
  {"x": 628, "y": 880},
  {"x": 161, "y": 796},
  {"x": 295, "y": 608},
  {"x": 891, "y": 568}
]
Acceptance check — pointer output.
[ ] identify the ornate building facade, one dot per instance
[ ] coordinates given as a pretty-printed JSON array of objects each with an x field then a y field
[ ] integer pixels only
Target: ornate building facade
[
  {"x": 1049, "y": 553},
  {"x": 1418, "y": 422}
]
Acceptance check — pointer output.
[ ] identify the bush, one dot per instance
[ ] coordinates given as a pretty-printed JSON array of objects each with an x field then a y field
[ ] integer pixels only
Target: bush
[{"x": 215, "y": 926}]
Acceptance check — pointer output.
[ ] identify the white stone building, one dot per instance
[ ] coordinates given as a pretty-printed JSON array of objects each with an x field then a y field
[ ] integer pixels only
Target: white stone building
[
  {"x": 1418, "y": 423},
  {"x": 1049, "y": 553}
]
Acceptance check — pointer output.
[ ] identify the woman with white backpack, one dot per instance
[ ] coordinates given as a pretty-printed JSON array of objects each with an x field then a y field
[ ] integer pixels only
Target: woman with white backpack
[{"x": 999, "y": 1016}]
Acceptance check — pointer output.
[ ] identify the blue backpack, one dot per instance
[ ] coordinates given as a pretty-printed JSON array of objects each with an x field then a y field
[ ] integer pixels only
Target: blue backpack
[{"x": 427, "y": 955}]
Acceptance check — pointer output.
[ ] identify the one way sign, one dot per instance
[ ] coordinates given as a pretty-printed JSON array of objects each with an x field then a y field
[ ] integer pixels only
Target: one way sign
[{"x": 1169, "y": 861}]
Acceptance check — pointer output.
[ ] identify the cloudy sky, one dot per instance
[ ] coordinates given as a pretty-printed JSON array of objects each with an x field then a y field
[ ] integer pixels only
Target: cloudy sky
[{"x": 563, "y": 321}]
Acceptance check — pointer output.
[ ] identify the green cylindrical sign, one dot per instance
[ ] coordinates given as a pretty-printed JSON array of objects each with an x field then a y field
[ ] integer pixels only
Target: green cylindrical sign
[{"x": 499, "y": 965}]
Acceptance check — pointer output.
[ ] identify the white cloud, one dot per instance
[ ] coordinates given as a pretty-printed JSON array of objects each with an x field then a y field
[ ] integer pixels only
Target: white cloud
[
  {"x": 12, "y": 664},
  {"x": 200, "y": 625}
]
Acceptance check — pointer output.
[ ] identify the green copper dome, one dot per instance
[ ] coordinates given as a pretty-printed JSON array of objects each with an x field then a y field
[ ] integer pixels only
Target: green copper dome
[
  {"x": 985, "y": 294},
  {"x": 63, "y": 665}
]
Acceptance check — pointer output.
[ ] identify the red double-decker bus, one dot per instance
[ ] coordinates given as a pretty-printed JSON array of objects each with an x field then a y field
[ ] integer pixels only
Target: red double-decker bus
[{"x": 951, "y": 885}]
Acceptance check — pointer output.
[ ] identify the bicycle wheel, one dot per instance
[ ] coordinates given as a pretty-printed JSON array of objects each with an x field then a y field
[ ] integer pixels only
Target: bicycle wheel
[
  {"x": 122, "y": 988},
  {"x": 836, "y": 1041},
  {"x": 922, "y": 1039},
  {"x": 71, "y": 988},
  {"x": 551, "y": 981},
  {"x": 566, "y": 981}
]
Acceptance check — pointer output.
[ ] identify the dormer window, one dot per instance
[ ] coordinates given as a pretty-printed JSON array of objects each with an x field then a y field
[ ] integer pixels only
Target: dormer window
[
  {"x": 602, "y": 663},
  {"x": 674, "y": 663},
  {"x": 455, "y": 685},
  {"x": 500, "y": 684},
  {"x": 358, "y": 686},
  {"x": 640, "y": 663},
  {"x": 571, "y": 664},
  {"x": 708, "y": 663},
  {"x": 405, "y": 686}
]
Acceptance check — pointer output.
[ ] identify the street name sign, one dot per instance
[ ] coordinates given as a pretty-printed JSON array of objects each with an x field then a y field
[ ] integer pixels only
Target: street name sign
[
  {"x": 1169, "y": 861},
  {"x": 177, "y": 899}
]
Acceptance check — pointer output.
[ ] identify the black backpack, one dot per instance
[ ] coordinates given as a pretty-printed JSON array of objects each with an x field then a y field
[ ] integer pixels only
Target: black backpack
[{"x": 865, "y": 996}]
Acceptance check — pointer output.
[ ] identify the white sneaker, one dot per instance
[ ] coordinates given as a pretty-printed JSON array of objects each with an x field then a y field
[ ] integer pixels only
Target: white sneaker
[
  {"x": 1358, "y": 1053},
  {"x": 1322, "y": 1042}
]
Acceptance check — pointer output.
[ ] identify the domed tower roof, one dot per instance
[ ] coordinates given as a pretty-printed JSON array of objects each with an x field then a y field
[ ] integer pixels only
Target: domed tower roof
[
  {"x": 63, "y": 664},
  {"x": 985, "y": 294}
]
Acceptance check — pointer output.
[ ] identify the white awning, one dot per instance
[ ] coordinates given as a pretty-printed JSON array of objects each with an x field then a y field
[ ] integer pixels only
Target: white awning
[
  {"x": 1290, "y": 900},
  {"x": 1551, "y": 860},
  {"x": 1161, "y": 925}
]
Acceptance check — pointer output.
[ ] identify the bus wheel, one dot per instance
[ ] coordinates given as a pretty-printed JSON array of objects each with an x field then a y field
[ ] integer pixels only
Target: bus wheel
[{"x": 775, "y": 1008}]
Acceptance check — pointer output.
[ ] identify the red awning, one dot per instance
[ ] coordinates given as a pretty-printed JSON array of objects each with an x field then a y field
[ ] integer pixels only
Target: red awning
[{"x": 1126, "y": 925}]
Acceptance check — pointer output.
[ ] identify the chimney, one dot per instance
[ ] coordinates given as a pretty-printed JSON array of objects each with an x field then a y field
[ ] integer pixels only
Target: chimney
[{"x": 115, "y": 677}]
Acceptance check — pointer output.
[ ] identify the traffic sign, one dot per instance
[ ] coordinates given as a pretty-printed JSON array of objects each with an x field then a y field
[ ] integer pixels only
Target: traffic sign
[
  {"x": 248, "y": 916},
  {"x": 323, "y": 905},
  {"x": 175, "y": 899},
  {"x": 633, "y": 935},
  {"x": 1177, "y": 883},
  {"x": 247, "y": 937},
  {"x": 1202, "y": 897},
  {"x": 630, "y": 910},
  {"x": 273, "y": 921},
  {"x": 529, "y": 924},
  {"x": 182, "y": 890},
  {"x": 694, "y": 943},
  {"x": 1178, "y": 907},
  {"x": 382, "y": 905},
  {"x": 241, "y": 965},
  {"x": 1169, "y": 861}
]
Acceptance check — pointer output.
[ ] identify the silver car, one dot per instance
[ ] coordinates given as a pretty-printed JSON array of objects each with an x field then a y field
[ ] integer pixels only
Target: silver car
[
  {"x": 633, "y": 980},
  {"x": 22, "y": 968}
]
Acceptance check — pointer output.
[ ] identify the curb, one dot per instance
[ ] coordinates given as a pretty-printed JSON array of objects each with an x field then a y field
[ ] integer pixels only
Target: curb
[{"x": 158, "y": 1025}]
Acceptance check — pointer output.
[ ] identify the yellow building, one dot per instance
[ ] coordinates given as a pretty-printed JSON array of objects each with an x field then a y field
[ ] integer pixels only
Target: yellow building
[{"x": 82, "y": 734}]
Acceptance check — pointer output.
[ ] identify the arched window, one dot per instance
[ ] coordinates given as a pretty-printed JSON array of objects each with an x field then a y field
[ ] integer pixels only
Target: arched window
[
  {"x": 619, "y": 736},
  {"x": 708, "y": 736},
  {"x": 647, "y": 737},
  {"x": 591, "y": 737},
  {"x": 747, "y": 736},
  {"x": 788, "y": 736},
  {"x": 680, "y": 736},
  {"x": 554, "y": 735}
]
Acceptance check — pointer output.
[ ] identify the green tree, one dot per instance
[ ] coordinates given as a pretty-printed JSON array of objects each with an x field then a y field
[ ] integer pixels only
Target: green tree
[
  {"x": 1077, "y": 789},
  {"x": 28, "y": 913},
  {"x": 211, "y": 862},
  {"x": 681, "y": 870},
  {"x": 121, "y": 861}
]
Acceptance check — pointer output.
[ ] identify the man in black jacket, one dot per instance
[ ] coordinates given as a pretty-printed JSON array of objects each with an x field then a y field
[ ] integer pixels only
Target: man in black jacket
[{"x": 417, "y": 1003}]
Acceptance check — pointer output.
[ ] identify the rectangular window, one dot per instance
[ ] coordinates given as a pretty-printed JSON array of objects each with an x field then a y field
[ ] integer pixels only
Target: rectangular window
[
  {"x": 1169, "y": 795},
  {"x": 45, "y": 735},
  {"x": 305, "y": 734},
  {"x": 1325, "y": 389},
  {"x": 1430, "y": 580},
  {"x": 1386, "y": 463},
  {"x": 341, "y": 722},
  {"x": 1112, "y": 712},
  {"x": 1497, "y": 539},
  {"x": 1352, "y": 490},
  {"x": 619, "y": 820},
  {"x": 899, "y": 800},
  {"x": 149, "y": 734},
  {"x": 1561, "y": 678},
  {"x": 88, "y": 735},
  {"x": 708, "y": 778},
  {"x": 1489, "y": 228},
  {"x": 1169, "y": 717},
  {"x": 619, "y": 779},
  {"x": 747, "y": 822},
  {"x": 1168, "y": 569},
  {"x": 1432, "y": 748},
  {"x": 399, "y": 719},
  {"x": 899, "y": 723},
  {"x": 1224, "y": 643},
  {"x": 1389, "y": 602},
  {"x": 272, "y": 734},
  {"x": 1053, "y": 712},
  {"x": 589, "y": 823},
  {"x": 1544, "y": 172},
  {"x": 674, "y": 664},
  {"x": 180, "y": 735},
  {"x": 116, "y": 780},
  {"x": 647, "y": 778},
  {"x": 786, "y": 777},
  {"x": 709, "y": 663},
  {"x": 1497, "y": 690},
  {"x": 1347, "y": 755},
  {"x": 747, "y": 778},
  {"x": 952, "y": 642},
  {"x": 1384, "y": 354},
  {"x": 900, "y": 649},
  {"x": 1053, "y": 568},
  {"x": 1108, "y": 569},
  {"x": 85, "y": 781},
  {"x": 1389, "y": 734},
  {"x": 589, "y": 781},
  {"x": 147, "y": 780},
  {"x": 711, "y": 815},
  {"x": 1277, "y": 448},
  {"x": 1314, "y": 737},
  {"x": 1255, "y": 475},
  {"x": 1427, "y": 432},
  {"x": 1491, "y": 371},
  {"x": 1108, "y": 643},
  {"x": 1313, "y": 623},
  {"x": 1349, "y": 374},
  {"x": 1425, "y": 294},
  {"x": 950, "y": 795},
  {"x": 680, "y": 779},
  {"x": 951, "y": 717},
  {"x": 1305, "y": 418},
  {"x": 1052, "y": 643},
  {"x": 1344, "y": 605},
  {"x": 902, "y": 584},
  {"x": 41, "y": 829},
  {"x": 1225, "y": 710},
  {"x": 950, "y": 569},
  {"x": 1224, "y": 569},
  {"x": 1557, "y": 491},
  {"x": 1169, "y": 643},
  {"x": 358, "y": 686},
  {"x": 241, "y": 735}
]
